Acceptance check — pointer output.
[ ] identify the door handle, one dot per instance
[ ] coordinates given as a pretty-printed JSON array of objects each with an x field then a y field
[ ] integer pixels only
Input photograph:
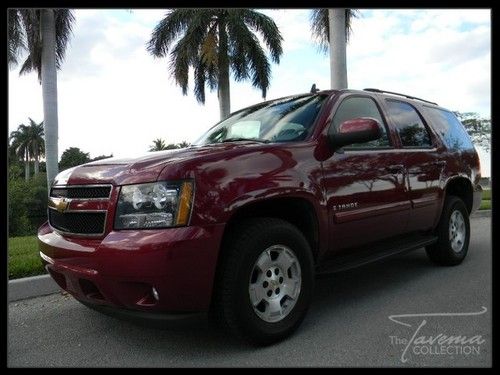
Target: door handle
[
  {"x": 440, "y": 163},
  {"x": 396, "y": 168}
]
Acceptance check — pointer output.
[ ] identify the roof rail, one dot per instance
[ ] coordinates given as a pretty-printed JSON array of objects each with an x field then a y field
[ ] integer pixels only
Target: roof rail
[{"x": 397, "y": 93}]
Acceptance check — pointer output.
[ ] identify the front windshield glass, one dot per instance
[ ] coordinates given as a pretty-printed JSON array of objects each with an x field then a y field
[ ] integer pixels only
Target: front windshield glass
[{"x": 283, "y": 120}]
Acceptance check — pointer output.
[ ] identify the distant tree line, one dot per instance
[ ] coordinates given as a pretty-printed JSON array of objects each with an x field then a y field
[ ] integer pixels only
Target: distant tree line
[
  {"x": 479, "y": 128},
  {"x": 73, "y": 156},
  {"x": 159, "y": 145}
]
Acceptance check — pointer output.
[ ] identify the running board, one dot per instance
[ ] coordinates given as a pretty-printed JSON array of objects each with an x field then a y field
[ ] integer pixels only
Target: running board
[{"x": 375, "y": 253}]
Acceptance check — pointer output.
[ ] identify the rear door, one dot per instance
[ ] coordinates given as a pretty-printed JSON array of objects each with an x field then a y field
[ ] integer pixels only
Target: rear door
[
  {"x": 365, "y": 186},
  {"x": 420, "y": 157}
]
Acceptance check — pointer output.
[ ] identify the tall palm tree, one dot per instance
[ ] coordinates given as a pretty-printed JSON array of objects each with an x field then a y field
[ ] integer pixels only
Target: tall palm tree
[
  {"x": 44, "y": 35},
  {"x": 158, "y": 145},
  {"x": 334, "y": 25},
  {"x": 21, "y": 144},
  {"x": 215, "y": 42},
  {"x": 37, "y": 146}
]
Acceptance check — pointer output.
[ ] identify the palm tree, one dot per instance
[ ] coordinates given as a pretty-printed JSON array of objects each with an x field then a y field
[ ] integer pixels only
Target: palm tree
[
  {"x": 44, "y": 35},
  {"x": 37, "y": 146},
  {"x": 334, "y": 25},
  {"x": 213, "y": 42},
  {"x": 21, "y": 144},
  {"x": 158, "y": 145}
]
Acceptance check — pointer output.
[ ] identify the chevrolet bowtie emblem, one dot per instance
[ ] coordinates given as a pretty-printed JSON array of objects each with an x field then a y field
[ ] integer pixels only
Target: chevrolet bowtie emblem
[{"x": 60, "y": 204}]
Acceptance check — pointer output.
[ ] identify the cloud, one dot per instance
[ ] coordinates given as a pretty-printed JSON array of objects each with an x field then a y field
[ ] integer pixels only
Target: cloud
[{"x": 438, "y": 60}]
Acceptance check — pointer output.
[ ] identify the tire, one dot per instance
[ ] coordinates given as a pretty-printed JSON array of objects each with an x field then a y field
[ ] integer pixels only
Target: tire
[
  {"x": 262, "y": 239},
  {"x": 453, "y": 233}
]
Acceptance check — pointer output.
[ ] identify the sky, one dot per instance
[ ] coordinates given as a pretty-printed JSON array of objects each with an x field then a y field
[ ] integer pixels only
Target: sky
[{"x": 115, "y": 98}]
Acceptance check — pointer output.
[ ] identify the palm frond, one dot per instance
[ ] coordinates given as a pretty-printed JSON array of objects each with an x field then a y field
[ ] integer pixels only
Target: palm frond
[
  {"x": 16, "y": 38},
  {"x": 200, "y": 77},
  {"x": 189, "y": 38},
  {"x": 267, "y": 28},
  {"x": 64, "y": 19},
  {"x": 208, "y": 48},
  {"x": 168, "y": 30},
  {"x": 350, "y": 14},
  {"x": 21, "y": 141},
  {"x": 31, "y": 21},
  {"x": 187, "y": 53},
  {"x": 212, "y": 76},
  {"x": 189, "y": 28},
  {"x": 320, "y": 27},
  {"x": 30, "y": 18},
  {"x": 251, "y": 60},
  {"x": 179, "y": 65}
]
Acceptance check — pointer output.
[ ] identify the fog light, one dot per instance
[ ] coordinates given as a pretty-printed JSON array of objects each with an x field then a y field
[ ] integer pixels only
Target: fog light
[{"x": 155, "y": 294}]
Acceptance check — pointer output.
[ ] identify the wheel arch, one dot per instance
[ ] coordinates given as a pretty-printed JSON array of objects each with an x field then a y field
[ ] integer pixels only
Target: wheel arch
[
  {"x": 462, "y": 188},
  {"x": 298, "y": 211}
]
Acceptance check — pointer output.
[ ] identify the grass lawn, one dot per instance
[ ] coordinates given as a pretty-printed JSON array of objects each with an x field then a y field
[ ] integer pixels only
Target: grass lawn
[
  {"x": 486, "y": 195},
  {"x": 486, "y": 200},
  {"x": 485, "y": 205},
  {"x": 23, "y": 257}
]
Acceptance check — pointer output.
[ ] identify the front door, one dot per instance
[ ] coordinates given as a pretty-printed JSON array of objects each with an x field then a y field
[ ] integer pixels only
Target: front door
[{"x": 365, "y": 184}]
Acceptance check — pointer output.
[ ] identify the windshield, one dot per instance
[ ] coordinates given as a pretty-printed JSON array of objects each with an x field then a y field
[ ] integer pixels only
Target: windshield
[{"x": 283, "y": 120}]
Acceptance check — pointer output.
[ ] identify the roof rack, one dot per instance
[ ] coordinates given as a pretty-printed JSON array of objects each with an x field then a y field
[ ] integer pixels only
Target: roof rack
[{"x": 397, "y": 93}]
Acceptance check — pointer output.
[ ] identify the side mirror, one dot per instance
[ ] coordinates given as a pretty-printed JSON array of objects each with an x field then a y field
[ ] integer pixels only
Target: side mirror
[{"x": 358, "y": 130}]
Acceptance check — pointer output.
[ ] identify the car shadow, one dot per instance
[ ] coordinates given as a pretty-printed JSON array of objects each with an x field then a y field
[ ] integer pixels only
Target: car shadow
[{"x": 332, "y": 292}]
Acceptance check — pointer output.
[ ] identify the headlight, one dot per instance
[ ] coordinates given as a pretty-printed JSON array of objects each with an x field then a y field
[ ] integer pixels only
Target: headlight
[{"x": 154, "y": 205}]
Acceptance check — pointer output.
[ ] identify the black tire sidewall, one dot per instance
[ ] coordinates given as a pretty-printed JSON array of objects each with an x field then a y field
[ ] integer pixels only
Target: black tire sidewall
[
  {"x": 442, "y": 252},
  {"x": 253, "y": 326}
]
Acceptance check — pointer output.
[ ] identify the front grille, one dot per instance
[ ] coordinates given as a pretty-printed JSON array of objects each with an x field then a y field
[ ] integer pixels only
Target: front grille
[
  {"x": 78, "y": 222},
  {"x": 81, "y": 192}
]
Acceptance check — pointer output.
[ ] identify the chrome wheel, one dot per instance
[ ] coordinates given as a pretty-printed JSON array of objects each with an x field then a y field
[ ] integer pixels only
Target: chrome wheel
[
  {"x": 457, "y": 231},
  {"x": 275, "y": 282}
]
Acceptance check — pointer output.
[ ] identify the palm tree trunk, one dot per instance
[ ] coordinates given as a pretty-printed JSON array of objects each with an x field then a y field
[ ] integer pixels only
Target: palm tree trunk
[
  {"x": 27, "y": 164},
  {"x": 37, "y": 165},
  {"x": 35, "y": 154},
  {"x": 338, "y": 67},
  {"x": 49, "y": 92},
  {"x": 223, "y": 84}
]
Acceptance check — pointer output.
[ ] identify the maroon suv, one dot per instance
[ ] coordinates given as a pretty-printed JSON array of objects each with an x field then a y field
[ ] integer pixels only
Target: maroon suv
[{"x": 239, "y": 223}]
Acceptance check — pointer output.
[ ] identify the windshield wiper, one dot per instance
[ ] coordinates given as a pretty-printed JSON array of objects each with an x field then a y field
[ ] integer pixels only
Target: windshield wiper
[{"x": 237, "y": 139}]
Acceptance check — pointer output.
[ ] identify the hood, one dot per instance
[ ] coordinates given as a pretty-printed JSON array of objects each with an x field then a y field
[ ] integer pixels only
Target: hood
[{"x": 146, "y": 168}]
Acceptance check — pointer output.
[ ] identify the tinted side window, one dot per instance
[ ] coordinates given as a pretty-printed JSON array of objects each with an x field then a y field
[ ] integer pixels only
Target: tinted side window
[
  {"x": 354, "y": 107},
  {"x": 450, "y": 129},
  {"x": 409, "y": 125}
]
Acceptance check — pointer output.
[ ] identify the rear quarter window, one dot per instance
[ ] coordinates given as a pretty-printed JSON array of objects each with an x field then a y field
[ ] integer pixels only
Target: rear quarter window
[
  {"x": 449, "y": 128},
  {"x": 409, "y": 125}
]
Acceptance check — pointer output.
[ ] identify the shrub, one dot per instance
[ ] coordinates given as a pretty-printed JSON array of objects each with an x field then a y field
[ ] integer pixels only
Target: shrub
[
  {"x": 19, "y": 223},
  {"x": 27, "y": 205}
]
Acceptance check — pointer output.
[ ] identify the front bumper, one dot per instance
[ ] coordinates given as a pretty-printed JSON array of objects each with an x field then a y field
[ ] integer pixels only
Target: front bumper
[{"x": 121, "y": 269}]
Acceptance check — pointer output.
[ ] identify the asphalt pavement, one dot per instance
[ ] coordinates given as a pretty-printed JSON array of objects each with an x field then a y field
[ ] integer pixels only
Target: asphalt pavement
[{"x": 400, "y": 312}]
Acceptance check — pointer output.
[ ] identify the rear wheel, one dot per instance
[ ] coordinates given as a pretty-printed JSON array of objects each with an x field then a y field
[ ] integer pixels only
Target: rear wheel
[
  {"x": 453, "y": 234},
  {"x": 264, "y": 282}
]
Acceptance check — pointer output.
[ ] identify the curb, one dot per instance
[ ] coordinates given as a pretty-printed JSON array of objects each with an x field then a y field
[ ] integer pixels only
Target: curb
[
  {"x": 481, "y": 213},
  {"x": 29, "y": 287}
]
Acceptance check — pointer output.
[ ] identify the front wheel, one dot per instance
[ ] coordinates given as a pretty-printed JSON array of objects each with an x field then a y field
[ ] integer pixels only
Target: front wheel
[
  {"x": 265, "y": 280},
  {"x": 453, "y": 233}
]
